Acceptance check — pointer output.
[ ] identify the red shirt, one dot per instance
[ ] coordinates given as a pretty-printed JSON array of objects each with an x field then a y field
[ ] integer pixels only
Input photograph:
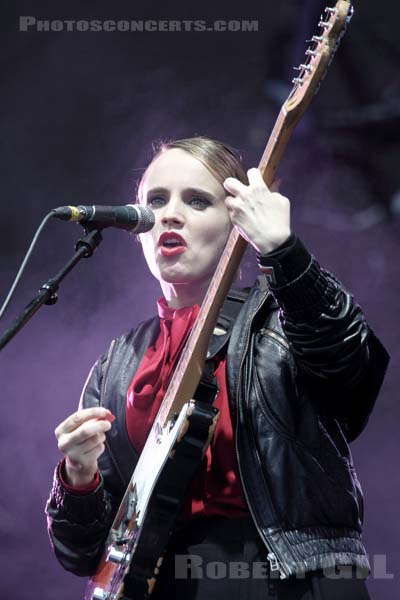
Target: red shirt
[{"x": 216, "y": 489}]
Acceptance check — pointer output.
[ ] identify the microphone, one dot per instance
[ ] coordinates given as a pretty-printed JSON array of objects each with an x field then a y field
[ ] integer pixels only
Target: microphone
[{"x": 132, "y": 217}]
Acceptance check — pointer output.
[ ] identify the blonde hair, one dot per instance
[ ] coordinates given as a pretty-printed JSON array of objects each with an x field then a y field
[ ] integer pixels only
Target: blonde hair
[{"x": 220, "y": 159}]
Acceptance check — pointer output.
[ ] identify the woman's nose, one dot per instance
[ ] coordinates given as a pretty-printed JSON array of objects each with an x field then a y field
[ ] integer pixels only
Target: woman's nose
[{"x": 173, "y": 212}]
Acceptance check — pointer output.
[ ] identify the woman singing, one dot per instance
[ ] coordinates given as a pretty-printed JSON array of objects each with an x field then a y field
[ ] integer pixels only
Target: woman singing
[{"x": 275, "y": 509}]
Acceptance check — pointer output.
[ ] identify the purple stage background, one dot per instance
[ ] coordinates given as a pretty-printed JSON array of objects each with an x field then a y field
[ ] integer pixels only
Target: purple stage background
[{"x": 79, "y": 113}]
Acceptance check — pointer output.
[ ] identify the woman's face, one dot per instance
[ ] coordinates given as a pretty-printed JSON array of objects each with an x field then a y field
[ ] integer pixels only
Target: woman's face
[{"x": 192, "y": 222}]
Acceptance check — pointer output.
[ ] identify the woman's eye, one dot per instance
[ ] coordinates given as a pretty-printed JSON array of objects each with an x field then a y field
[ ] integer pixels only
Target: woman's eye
[
  {"x": 156, "y": 201},
  {"x": 199, "y": 203}
]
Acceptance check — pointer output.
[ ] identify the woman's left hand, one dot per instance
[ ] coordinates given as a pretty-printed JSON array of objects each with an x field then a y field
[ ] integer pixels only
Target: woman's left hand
[{"x": 261, "y": 215}]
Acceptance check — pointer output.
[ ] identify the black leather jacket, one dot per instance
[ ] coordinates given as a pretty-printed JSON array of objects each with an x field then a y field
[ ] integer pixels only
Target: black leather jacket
[{"x": 303, "y": 373}]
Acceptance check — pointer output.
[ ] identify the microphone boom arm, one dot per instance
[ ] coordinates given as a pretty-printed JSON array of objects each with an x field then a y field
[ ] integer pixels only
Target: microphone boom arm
[{"x": 47, "y": 294}]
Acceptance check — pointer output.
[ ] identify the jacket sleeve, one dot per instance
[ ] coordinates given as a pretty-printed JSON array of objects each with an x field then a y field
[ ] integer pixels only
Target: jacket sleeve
[
  {"x": 332, "y": 344},
  {"x": 78, "y": 524}
]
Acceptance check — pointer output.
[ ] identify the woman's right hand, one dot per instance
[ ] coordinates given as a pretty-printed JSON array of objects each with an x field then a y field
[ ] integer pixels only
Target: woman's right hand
[{"x": 81, "y": 439}]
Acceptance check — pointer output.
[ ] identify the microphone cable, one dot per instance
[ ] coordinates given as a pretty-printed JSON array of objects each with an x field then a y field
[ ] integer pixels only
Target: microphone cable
[{"x": 24, "y": 262}]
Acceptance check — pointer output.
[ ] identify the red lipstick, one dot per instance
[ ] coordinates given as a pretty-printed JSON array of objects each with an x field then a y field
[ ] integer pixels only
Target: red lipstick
[{"x": 171, "y": 243}]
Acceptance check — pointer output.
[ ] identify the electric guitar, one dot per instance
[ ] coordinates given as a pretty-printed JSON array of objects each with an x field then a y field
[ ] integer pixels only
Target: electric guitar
[{"x": 185, "y": 424}]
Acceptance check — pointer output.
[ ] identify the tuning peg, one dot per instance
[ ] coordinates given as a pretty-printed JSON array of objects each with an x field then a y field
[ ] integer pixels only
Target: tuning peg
[
  {"x": 316, "y": 38},
  {"x": 303, "y": 67},
  {"x": 330, "y": 11},
  {"x": 298, "y": 80},
  {"x": 310, "y": 52},
  {"x": 323, "y": 24},
  {"x": 100, "y": 594}
]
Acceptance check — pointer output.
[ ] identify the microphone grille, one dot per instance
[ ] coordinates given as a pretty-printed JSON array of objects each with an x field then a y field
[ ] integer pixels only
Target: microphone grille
[{"x": 146, "y": 218}]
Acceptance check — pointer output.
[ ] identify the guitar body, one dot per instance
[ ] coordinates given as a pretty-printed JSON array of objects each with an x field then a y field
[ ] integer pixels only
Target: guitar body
[{"x": 141, "y": 529}]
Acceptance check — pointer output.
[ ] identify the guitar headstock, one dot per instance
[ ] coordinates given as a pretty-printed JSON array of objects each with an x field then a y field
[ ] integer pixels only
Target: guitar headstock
[{"x": 319, "y": 56}]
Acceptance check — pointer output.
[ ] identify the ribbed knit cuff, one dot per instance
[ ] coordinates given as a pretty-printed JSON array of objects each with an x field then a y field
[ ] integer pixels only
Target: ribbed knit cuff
[
  {"x": 83, "y": 509},
  {"x": 77, "y": 490}
]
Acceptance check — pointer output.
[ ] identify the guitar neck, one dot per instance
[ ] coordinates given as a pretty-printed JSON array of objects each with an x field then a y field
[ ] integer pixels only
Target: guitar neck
[
  {"x": 191, "y": 363},
  {"x": 280, "y": 135},
  {"x": 190, "y": 366}
]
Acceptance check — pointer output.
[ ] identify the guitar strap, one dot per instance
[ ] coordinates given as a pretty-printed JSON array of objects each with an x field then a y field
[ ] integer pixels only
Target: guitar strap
[
  {"x": 231, "y": 307},
  {"x": 207, "y": 388}
]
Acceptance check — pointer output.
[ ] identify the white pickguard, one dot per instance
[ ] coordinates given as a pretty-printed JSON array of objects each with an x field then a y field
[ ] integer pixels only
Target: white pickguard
[{"x": 152, "y": 459}]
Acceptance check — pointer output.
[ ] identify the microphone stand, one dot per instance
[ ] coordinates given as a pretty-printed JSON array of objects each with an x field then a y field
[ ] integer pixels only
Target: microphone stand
[{"x": 47, "y": 294}]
